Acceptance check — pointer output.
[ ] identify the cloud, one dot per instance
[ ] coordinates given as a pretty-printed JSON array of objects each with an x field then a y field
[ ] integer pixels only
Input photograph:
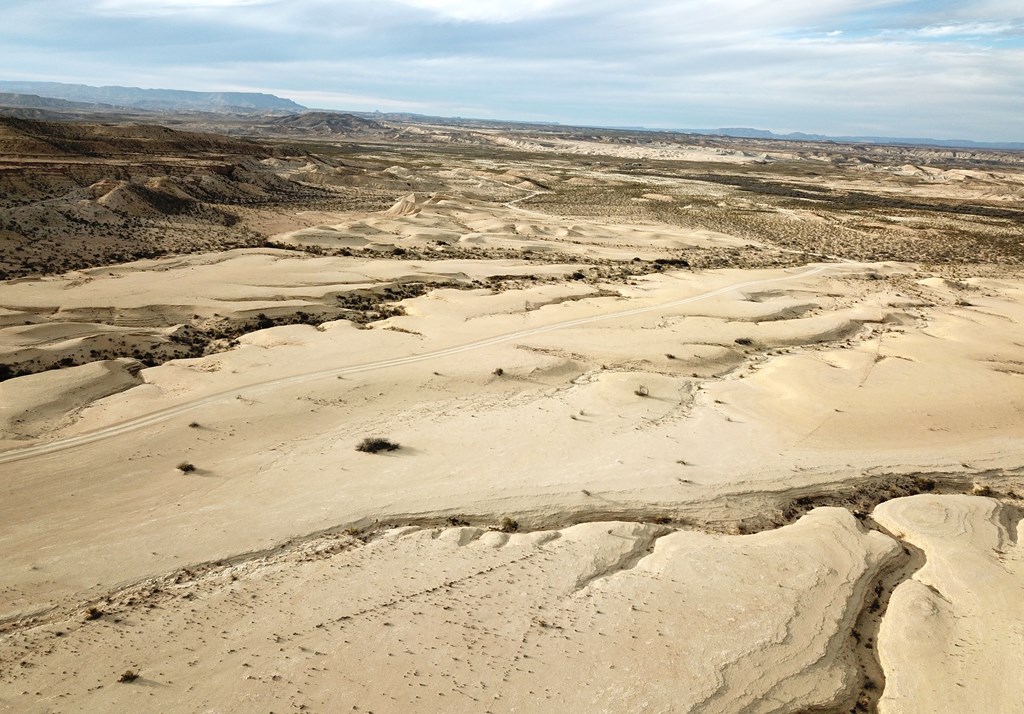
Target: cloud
[
  {"x": 833, "y": 66},
  {"x": 489, "y": 11},
  {"x": 163, "y": 7},
  {"x": 973, "y": 29}
]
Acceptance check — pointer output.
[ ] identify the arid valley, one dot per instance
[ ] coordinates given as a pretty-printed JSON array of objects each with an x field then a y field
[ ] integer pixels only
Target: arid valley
[{"x": 321, "y": 412}]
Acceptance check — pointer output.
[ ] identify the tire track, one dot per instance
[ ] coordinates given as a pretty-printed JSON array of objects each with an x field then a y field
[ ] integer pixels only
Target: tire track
[{"x": 162, "y": 415}]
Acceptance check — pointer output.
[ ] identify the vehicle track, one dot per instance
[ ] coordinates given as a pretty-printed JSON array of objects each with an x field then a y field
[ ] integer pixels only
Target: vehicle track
[{"x": 59, "y": 445}]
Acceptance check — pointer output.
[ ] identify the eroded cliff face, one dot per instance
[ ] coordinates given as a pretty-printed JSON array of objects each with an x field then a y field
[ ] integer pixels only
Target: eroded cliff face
[
  {"x": 953, "y": 634},
  {"x": 604, "y": 616}
]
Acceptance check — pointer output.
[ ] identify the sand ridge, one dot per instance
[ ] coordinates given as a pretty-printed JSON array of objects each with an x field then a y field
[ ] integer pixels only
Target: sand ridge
[
  {"x": 679, "y": 427},
  {"x": 569, "y": 386},
  {"x": 467, "y": 619},
  {"x": 954, "y": 629}
]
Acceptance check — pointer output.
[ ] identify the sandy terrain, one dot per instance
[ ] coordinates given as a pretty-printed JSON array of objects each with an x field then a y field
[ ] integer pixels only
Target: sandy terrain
[
  {"x": 954, "y": 629},
  {"x": 642, "y": 466},
  {"x": 465, "y": 619}
]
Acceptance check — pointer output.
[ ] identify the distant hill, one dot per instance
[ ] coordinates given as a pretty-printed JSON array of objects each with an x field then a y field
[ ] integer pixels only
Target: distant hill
[
  {"x": 155, "y": 99},
  {"x": 23, "y": 137},
  {"x": 748, "y": 133},
  {"x": 411, "y": 118},
  {"x": 34, "y": 101},
  {"x": 328, "y": 123}
]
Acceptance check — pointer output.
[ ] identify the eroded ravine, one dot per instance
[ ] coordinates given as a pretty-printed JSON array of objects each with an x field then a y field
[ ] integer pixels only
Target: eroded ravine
[{"x": 30, "y": 640}]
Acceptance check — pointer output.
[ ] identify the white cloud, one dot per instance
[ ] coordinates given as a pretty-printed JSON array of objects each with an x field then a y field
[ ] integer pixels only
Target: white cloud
[
  {"x": 973, "y": 29},
  {"x": 490, "y": 10},
  {"x": 165, "y": 7},
  {"x": 349, "y": 100},
  {"x": 827, "y": 66}
]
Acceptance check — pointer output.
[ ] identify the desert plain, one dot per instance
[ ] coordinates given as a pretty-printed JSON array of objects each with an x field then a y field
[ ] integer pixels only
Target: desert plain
[{"x": 663, "y": 423}]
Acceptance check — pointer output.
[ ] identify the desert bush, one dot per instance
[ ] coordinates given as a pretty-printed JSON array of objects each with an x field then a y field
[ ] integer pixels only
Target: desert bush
[
  {"x": 642, "y": 391},
  {"x": 130, "y": 675},
  {"x": 375, "y": 444},
  {"x": 186, "y": 468},
  {"x": 508, "y": 525}
]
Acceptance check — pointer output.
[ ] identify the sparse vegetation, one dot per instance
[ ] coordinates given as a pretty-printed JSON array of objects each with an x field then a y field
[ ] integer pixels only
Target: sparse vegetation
[
  {"x": 185, "y": 205},
  {"x": 508, "y": 525},
  {"x": 376, "y": 444},
  {"x": 564, "y": 262}
]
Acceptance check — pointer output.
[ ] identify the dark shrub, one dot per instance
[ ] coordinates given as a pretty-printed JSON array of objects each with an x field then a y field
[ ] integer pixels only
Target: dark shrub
[{"x": 374, "y": 444}]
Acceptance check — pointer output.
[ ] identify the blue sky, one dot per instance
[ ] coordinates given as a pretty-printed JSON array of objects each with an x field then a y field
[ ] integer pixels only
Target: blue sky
[{"x": 940, "y": 69}]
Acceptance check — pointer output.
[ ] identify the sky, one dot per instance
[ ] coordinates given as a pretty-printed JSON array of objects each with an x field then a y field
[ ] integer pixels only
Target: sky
[{"x": 909, "y": 68}]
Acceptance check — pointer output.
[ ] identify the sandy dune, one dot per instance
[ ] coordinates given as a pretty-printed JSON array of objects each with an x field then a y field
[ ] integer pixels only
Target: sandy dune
[
  {"x": 951, "y": 639},
  {"x": 464, "y": 619},
  {"x": 625, "y": 481},
  {"x": 570, "y": 392},
  {"x": 469, "y": 619},
  {"x": 123, "y": 311},
  {"x": 37, "y": 404},
  {"x": 664, "y": 150}
]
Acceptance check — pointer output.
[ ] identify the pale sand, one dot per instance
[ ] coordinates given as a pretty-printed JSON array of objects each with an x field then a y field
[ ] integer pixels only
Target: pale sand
[
  {"x": 666, "y": 150},
  {"x": 38, "y": 404},
  {"x": 136, "y": 306},
  {"x": 951, "y": 640},
  {"x": 835, "y": 379},
  {"x": 597, "y": 617}
]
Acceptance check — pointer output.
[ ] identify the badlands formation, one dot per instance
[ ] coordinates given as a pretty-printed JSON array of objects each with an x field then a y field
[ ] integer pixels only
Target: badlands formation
[{"x": 681, "y": 426}]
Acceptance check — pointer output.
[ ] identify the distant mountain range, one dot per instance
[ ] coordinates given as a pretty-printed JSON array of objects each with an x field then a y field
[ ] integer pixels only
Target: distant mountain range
[
  {"x": 152, "y": 99},
  {"x": 747, "y": 133},
  {"x": 42, "y": 96},
  {"x": 34, "y": 101},
  {"x": 739, "y": 133}
]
